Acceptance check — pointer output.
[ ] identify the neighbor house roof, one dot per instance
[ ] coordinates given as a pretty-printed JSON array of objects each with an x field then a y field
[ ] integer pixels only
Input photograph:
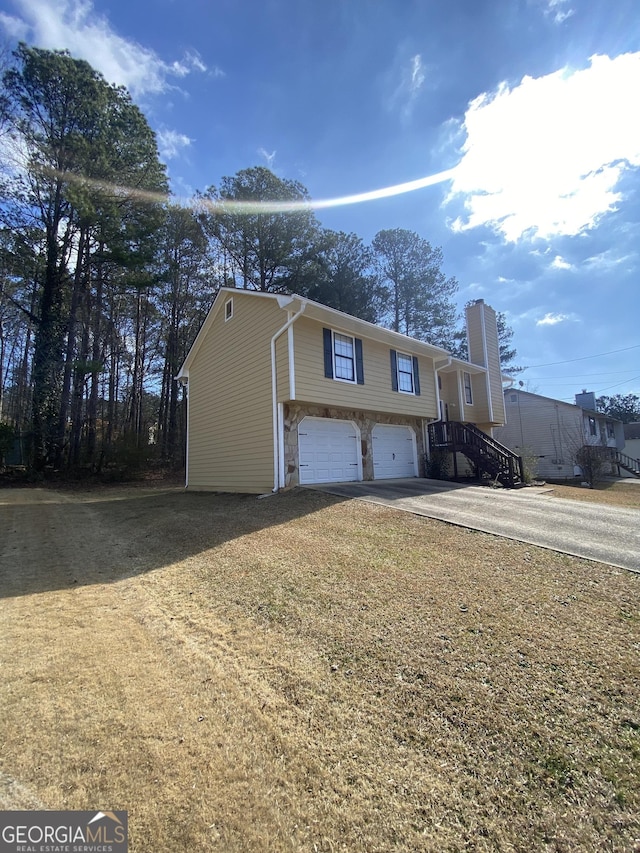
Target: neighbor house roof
[{"x": 512, "y": 390}]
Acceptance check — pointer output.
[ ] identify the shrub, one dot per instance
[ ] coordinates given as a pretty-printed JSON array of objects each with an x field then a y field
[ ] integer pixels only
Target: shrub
[
  {"x": 592, "y": 463},
  {"x": 438, "y": 464}
]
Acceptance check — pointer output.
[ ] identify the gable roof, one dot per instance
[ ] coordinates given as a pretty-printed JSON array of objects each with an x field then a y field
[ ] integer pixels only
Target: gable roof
[
  {"x": 337, "y": 320},
  {"x": 523, "y": 393}
]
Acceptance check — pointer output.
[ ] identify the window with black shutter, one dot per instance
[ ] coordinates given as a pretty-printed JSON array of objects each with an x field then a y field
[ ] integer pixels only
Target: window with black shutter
[
  {"x": 405, "y": 374},
  {"x": 343, "y": 358}
]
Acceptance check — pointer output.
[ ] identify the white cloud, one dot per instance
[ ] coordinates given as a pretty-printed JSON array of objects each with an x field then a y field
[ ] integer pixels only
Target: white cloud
[
  {"x": 417, "y": 74},
  {"x": 558, "y": 10},
  {"x": 171, "y": 143},
  {"x": 77, "y": 26},
  {"x": 609, "y": 259},
  {"x": 559, "y": 263},
  {"x": 552, "y": 319},
  {"x": 192, "y": 61},
  {"x": 269, "y": 158},
  {"x": 15, "y": 28},
  {"x": 412, "y": 79},
  {"x": 544, "y": 158}
]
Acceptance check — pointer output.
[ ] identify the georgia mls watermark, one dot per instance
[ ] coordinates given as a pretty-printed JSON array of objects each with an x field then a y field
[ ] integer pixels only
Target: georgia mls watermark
[{"x": 63, "y": 832}]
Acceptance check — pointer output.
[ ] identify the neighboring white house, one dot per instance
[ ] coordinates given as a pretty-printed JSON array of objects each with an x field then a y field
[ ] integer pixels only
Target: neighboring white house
[
  {"x": 632, "y": 440},
  {"x": 552, "y": 431}
]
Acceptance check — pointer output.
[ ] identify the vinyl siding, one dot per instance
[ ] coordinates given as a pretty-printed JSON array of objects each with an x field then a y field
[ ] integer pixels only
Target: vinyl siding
[
  {"x": 452, "y": 391},
  {"x": 375, "y": 395},
  {"x": 482, "y": 330},
  {"x": 548, "y": 430},
  {"x": 230, "y": 412},
  {"x": 478, "y": 411},
  {"x": 449, "y": 394},
  {"x": 632, "y": 448}
]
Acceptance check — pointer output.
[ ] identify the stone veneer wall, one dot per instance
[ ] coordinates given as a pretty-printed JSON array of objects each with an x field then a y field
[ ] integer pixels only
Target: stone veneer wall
[{"x": 294, "y": 413}]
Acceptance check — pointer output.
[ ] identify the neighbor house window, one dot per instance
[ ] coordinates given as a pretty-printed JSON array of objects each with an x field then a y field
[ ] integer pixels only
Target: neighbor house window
[
  {"x": 611, "y": 433},
  {"x": 468, "y": 396},
  {"x": 405, "y": 376},
  {"x": 343, "y": 357},
  {"x": 592, "y": 426},
  {"x": 228, "y": 309}
]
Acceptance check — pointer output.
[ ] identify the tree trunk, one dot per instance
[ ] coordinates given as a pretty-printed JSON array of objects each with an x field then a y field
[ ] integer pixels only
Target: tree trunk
[{"x": 65, "y": 396}]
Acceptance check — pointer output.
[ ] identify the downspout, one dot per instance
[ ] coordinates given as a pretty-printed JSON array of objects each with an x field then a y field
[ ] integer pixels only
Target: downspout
[
  {"x": 447, "y": 363},
  {"x": 274, "y": 398},
  {"x": 183, "y": 381}
]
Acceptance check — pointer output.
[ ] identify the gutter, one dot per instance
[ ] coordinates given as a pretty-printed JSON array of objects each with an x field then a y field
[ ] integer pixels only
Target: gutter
[{"x": 274, "y": 398}]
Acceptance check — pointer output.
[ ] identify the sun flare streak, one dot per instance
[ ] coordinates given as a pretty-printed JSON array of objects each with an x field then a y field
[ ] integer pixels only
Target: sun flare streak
[
  {"x": 267, "y": 206},
  {"x": 201, "y": 203}
]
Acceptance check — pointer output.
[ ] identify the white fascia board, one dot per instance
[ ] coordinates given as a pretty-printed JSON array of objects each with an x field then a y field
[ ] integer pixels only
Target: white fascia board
[{"x": 458, "y": 365}]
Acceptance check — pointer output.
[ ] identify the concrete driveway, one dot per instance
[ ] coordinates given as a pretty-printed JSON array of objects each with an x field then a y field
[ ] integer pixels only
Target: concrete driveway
[{"x": 603, "y": 533}]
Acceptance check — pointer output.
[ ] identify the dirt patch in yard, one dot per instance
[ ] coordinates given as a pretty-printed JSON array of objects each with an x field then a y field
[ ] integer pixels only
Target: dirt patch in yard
[{"x": 305, "y": 674}]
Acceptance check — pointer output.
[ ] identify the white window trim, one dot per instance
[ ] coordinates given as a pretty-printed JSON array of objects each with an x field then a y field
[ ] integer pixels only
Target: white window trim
[
  {"x": 353, "y": 381},
  {"x": 228, "y": 309},
  {"x": 399, "y": 355}
]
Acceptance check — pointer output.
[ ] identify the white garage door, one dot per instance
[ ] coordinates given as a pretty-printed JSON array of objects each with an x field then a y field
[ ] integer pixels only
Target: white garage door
[
  {"x": 394, "y": 452},
  {"x": 328, "y": 451}
]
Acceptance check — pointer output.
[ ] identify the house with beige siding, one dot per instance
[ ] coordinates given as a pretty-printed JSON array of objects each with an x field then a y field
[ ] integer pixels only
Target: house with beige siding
[
  {"x": 550, "y": 432},
  {"x": 283, "y": 391}
]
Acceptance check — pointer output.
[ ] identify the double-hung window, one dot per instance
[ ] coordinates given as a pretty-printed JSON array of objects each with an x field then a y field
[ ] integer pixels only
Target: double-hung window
[
  {"x": 468, "y": 395},
  {"x": 343, "y": 357},
  {"x": 405, "y": 373},
  {"x": 405, "y": 376}
]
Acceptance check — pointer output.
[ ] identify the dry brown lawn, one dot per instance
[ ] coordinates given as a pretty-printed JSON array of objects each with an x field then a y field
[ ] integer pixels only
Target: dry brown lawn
[
  {"x": 625, "y": 493},
  {"x": 301, "y": 673}
]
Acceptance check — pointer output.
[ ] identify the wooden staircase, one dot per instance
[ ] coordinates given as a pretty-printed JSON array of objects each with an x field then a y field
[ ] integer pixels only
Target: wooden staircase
[
  {"x": 489, "y": 456},
  {"x": 616, "y": 457}
]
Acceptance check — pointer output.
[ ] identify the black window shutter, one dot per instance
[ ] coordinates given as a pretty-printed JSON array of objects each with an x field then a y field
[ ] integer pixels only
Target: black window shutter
[
  {"x": 359, "y": 362},
  {"x": 328, "y": 353},
  {"x": 416, "y": 376},
  {"x": 394, "y": 370}
]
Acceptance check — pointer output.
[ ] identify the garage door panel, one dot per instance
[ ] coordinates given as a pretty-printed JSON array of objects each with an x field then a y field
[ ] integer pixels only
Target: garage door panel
[
  {"x": 394, "y": 452},
  {"x": 328, "y": 451}
]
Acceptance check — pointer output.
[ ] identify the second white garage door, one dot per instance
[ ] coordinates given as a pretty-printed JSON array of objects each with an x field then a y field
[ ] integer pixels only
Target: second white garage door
[
  {"x": 329, "y": 451},
  {"x": 394, "y": 452}
]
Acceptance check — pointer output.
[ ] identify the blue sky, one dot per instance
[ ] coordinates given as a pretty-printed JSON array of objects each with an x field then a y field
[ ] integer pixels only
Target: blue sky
[{"x": 529, "y": 106}]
